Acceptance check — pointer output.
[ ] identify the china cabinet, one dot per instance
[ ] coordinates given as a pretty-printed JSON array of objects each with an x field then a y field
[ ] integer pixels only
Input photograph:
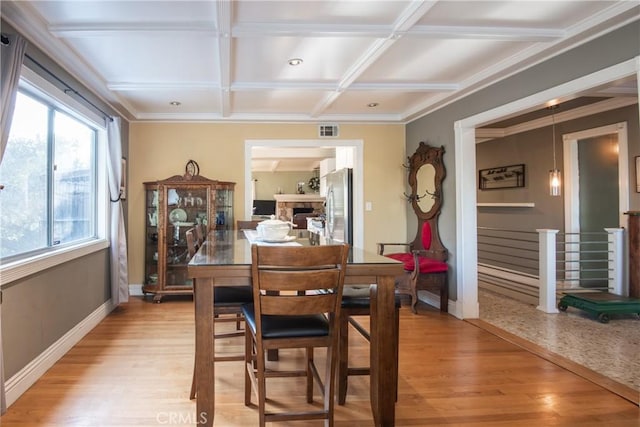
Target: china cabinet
[{"x": 173, "y": 206}]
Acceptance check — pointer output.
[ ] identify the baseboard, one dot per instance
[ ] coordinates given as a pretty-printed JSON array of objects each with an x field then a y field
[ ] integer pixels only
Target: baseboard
[
  {"x": 27, "y": 376},
  {"x": 509, "y": 275},
  {"x": 135, "y": 289},
  {"x": 434, "y": 301},
  {"x": 510, "y": 283},
  {"x": 429, "y": 298}
]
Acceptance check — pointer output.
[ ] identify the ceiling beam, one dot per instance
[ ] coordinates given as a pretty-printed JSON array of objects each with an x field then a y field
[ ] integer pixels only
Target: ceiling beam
[{"x": 224, "y": 60}]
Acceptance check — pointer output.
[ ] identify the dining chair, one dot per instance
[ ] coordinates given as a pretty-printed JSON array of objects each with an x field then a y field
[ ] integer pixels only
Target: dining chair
[
  {"x": 297, "y": 292},
  {"x": 228, "y": 302},
  {"x": 200, "y": 233},
  {"x": 356, "y": 301},
  {"x": 192, "y": 242}
]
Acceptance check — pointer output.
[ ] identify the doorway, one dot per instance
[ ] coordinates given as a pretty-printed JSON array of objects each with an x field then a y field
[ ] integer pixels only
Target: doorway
[
  {"x": 466, "y": 262},
  {"x": 596, "y": 195},
  {"x": 357, "y": 146}
]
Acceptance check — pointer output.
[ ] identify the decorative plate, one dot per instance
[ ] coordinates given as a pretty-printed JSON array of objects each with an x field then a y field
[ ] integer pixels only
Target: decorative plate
[{"x": 177, "y": 215}]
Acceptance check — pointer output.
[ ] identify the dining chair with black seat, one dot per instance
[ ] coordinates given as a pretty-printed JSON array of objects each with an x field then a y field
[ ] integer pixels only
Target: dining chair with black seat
[
  {"x": 297, "y": 298},
  {"x": 356, "y": 301},
  {"x": 227, "y": 308}
]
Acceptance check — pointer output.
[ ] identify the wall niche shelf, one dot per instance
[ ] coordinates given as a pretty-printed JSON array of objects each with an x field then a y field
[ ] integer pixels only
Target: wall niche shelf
[{"x": 507, "y": 205}]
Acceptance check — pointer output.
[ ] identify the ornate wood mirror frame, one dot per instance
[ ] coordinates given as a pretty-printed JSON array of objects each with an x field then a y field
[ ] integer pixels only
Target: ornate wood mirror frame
[{"x": 426, "y": 173}]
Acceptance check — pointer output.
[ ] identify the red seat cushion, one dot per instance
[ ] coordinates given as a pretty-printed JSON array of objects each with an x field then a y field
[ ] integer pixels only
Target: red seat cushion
[{"x": 427, "y": 265}]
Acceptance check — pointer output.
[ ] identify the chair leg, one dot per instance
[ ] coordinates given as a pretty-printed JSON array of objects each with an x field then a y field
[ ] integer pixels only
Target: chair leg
[
  {"x": 330, "y": 384},
  {"x": 413, "y": 289},
  {"x": 343, "y": 369},
  {"x": 343, "y": 360},
  {"x": 192, "y": 393},
  {"x": 444, "y": 293},
  {"x": 309, "y": 353},
  {"x": 262, "y": 387},
  {"x": 248, "y": 359}
]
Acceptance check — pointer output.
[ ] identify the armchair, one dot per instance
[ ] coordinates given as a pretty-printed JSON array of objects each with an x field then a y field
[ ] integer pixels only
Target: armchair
[{"x": 432, "y": 266}]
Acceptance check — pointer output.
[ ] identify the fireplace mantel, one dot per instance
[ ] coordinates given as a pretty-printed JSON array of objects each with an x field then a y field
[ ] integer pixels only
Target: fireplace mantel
[
  {"x": 286, "y": 203},
  {"x": 298, "y": 198}
]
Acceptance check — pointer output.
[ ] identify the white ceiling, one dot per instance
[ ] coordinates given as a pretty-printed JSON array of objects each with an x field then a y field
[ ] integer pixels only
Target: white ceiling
[
  {"x": 289, "y": 159},
  {"x": 227, "y": 60}
]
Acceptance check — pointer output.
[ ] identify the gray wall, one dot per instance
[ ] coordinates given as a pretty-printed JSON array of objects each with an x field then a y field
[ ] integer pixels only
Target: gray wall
[
  {"x": 437, "y": 129},
  {"x": 40, "y": 309},
  {"x": 534, "y": 149}
]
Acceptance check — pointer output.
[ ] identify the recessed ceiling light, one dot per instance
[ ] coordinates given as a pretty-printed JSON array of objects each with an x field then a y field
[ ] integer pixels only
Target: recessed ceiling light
[
  {"x": 372, "y": 104},
  {"x": 175, "y": 103},
  {"x": 295, "y": 61}
]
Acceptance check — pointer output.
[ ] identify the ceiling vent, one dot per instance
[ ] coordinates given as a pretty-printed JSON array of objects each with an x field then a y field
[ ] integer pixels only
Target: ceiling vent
[{"x": 327, "y": 131}]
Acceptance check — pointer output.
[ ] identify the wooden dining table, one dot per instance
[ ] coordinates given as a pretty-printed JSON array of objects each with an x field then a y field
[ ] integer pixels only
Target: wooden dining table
[{"x": 225, "y": 260}]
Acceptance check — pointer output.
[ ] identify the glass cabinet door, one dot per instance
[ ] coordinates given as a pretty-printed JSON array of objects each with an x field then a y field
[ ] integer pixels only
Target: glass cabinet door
[
  {"x": 186, "y": 206},
  {"x": 224, "y": 206},
  {"x": 151, "y": 240}
]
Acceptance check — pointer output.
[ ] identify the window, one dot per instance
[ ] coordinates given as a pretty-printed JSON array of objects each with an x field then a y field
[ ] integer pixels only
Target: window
[{"x": 49, "y": 173}]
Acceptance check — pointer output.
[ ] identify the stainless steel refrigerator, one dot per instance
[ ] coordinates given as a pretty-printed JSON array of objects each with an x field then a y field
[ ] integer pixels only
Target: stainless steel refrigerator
[{"x": 339, "y": 206}]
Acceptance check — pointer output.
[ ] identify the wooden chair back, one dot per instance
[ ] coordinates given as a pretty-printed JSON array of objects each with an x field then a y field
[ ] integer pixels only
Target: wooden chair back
[
  {"x": 200, "y": 233},
  {"x": 192, "y": 244},
  {"x": 300, "y": 280}
]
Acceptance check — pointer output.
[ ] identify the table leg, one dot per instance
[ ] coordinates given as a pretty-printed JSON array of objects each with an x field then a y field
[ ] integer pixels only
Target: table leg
[
  {"x": 205, "y": 375},
  {"x": 384, "y": 344}
]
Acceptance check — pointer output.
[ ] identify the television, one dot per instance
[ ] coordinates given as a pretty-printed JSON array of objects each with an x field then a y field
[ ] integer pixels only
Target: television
[{"x": 264, "y": 207}]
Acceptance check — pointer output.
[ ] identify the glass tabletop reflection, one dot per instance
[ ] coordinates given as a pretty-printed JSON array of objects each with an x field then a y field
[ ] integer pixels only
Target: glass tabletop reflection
[{"x": 232, "y": 247}]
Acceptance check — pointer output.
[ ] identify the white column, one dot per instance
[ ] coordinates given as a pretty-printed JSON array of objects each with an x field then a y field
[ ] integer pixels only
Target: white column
[
  {"x": 547, "y": 273},
  {"x": 616, "y": 263}
]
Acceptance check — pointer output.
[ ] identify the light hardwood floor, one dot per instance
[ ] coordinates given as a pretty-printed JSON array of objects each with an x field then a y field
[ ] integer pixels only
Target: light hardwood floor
[{"x": 134, "y": 369}]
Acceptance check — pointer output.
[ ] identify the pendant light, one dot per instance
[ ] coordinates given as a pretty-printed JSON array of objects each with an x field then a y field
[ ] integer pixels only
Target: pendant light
[{"x": 555, "y": 177}]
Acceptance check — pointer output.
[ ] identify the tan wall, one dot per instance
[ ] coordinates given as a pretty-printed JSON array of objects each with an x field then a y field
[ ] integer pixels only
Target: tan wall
[
  {"x": 160, "y": 150},
  {"x": 268, "y": 183}
]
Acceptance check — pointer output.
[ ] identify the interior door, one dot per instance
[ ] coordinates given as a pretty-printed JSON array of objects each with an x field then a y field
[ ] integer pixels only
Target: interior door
[
  {"x": 584, "y": 204},
  {"x": 598, "y": 203}
]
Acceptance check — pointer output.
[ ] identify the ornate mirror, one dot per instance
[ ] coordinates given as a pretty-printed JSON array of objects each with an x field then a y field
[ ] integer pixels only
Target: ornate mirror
[
  {"x": 426, "y": 185},
  {"x": 426, "y": 172}
]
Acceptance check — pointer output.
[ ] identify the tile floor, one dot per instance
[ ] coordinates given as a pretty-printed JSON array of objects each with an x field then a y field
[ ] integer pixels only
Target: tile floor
[{"x": 610, "y": 349}]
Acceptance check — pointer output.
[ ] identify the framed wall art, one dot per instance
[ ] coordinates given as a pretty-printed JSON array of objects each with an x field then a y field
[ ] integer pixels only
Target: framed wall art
[{"x": 511, "y": 176}]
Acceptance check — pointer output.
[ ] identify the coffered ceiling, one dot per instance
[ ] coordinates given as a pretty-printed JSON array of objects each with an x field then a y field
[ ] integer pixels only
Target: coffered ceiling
[{"x": 362, "y": 61}]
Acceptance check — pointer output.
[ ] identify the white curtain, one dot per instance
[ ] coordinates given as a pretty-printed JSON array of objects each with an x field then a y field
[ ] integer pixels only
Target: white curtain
[
  {"x": 118, "y": 237},
  {"x": 11, "y": 62},
  {"x": 12, "y": 56}
]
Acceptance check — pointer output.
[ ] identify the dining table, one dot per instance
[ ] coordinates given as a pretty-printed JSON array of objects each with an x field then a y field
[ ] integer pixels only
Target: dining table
[{"x": 224, "y": 259}]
